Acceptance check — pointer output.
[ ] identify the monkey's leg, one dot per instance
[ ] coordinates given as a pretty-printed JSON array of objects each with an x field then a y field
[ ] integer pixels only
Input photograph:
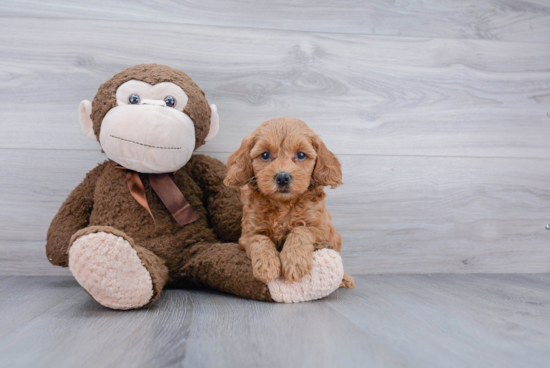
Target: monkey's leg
[
  {"x": 225, "y": 267},
  {"x": 115, "y": 271}
]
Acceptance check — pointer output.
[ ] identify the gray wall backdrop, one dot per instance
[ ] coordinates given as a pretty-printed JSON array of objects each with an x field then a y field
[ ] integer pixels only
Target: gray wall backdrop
[{"x": 438, "y": 110}]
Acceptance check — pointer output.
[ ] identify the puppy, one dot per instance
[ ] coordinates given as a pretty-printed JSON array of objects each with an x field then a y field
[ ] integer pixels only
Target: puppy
[{"x": 282, "y": 169}]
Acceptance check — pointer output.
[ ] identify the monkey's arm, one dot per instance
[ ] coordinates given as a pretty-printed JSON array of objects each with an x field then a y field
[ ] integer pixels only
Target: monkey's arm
[
  {"x": 224, "y": 204},
  {"x": 73, "y": 215}
]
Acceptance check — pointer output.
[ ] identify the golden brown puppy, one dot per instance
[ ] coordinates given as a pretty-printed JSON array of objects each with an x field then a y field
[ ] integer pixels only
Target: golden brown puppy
[{"x": 282, "y": 168}]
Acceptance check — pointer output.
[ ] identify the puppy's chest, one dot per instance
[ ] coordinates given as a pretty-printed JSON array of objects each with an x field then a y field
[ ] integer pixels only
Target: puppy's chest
[{"x": 282, "y": 221}]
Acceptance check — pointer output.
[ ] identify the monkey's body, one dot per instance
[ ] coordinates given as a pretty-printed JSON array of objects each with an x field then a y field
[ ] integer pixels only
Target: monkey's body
[
  {"x": 181, "y": 255},
  {"x": 150, "y": 119}
]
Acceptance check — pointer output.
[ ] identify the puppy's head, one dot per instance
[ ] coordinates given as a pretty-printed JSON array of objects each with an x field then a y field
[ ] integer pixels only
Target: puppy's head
[{"x": 283, "y": 158}]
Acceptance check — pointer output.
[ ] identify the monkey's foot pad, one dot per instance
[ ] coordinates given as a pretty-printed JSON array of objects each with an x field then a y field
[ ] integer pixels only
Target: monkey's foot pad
[
  {"x": 325, "y": 277},
  {"x": 109, "y": 269}
]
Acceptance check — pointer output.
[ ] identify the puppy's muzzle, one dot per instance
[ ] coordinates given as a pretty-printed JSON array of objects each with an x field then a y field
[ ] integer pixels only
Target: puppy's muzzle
[{"x": 283, "y": 179}]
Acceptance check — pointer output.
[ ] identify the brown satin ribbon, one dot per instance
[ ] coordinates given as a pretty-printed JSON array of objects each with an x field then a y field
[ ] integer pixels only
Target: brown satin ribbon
[
  {"x": 173, "y": 198},
  {"x": 137, "y": 190},
  {"x": 168, "y": 193}
]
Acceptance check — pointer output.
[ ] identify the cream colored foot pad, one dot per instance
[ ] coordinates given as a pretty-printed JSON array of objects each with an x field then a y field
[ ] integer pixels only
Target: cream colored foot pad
[
  {"x": 109, "y": 269},
  {"x": 325, "y": 277}
]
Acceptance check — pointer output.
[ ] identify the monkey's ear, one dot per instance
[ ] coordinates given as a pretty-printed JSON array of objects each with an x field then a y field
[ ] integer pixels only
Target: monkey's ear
[
  {"x": 86, "y": 123},
  {"x": 214, "y": 124}
]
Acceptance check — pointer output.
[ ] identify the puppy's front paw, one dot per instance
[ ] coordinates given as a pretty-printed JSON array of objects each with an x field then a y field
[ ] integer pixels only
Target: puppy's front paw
[
  {"x": 266, "y": 265},
  {"x": 297, "y": 262}
]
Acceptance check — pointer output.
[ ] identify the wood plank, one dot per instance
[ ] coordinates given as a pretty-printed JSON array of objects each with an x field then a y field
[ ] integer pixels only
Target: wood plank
[
  {"x": 395, "y": 214},
  {"x": 362, "y": 94},
  {"x": 233, "y": 332},
  {"x": 27, "y": 258},
  {"x": 77, "y": 331},
  {"x": 527, "y": 21},
  {"x": 26, "y": 298},
  {"x": 424, "y": 321},
  {"x": 455, "y": 321}
]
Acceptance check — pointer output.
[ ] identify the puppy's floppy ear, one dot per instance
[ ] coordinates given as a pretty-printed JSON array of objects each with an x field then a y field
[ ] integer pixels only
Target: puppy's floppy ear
[
  {"x": 328, "y": 170},
  {"x": 239, "y": 164}
]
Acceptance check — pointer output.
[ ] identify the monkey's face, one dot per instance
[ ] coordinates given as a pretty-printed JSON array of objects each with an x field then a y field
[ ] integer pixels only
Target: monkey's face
[{"x": 147, "y": 129}]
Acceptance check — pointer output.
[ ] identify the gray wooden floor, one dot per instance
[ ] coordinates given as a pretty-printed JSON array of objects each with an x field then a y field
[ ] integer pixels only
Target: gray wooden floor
[
  {"x": 438, "y": 110},
  {"x": 423, "y": 321}
]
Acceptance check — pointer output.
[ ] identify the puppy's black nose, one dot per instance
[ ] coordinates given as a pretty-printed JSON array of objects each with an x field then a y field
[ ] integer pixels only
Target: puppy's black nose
[{"x": 282, "y": 178}]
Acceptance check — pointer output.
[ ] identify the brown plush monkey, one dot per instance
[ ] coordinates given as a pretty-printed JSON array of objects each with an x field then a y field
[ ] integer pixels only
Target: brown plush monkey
[{"x": 154, "y": 214}]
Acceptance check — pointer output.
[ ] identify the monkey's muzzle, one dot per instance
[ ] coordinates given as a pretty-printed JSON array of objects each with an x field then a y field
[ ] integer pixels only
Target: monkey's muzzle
[{"x": 148, "y": 138}]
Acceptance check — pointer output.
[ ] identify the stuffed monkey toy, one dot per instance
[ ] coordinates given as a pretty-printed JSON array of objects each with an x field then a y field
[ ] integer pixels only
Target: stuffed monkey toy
[{"x": 154, "y": 214}]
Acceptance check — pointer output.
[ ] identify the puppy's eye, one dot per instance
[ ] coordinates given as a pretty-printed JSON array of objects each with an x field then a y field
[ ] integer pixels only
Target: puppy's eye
[
  {"x": 170, "y": 101},
  {"x": 300, "y": 156},
  {"x": 133, "y": 99},
  {"x": 265, "y": 156}
]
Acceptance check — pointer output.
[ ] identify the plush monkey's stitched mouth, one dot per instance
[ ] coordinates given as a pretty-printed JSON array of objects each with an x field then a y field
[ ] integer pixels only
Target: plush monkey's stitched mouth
[{"x": 146, "y": 145}]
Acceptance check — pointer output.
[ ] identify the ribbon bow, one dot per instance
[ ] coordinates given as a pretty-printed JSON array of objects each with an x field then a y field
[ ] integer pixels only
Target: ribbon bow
[{"x": 168, "y": 193}]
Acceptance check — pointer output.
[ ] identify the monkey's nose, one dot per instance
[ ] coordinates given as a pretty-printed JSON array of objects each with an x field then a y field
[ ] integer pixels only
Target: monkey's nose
[
  {"x": 153, "y": 102},
  {"x": 282, "y": 178}
]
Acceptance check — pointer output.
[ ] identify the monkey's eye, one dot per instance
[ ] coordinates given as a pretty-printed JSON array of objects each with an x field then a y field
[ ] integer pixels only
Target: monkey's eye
[
  {"x": 133, "y": 99},
  {"x": 170, "y": 101},
  {"x": 300, "y": 156},
  {"x": 265, "y": 156}
]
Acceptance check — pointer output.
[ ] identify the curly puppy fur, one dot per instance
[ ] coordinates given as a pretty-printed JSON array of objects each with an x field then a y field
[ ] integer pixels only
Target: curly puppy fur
[{"x": 283, "y": 224}]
